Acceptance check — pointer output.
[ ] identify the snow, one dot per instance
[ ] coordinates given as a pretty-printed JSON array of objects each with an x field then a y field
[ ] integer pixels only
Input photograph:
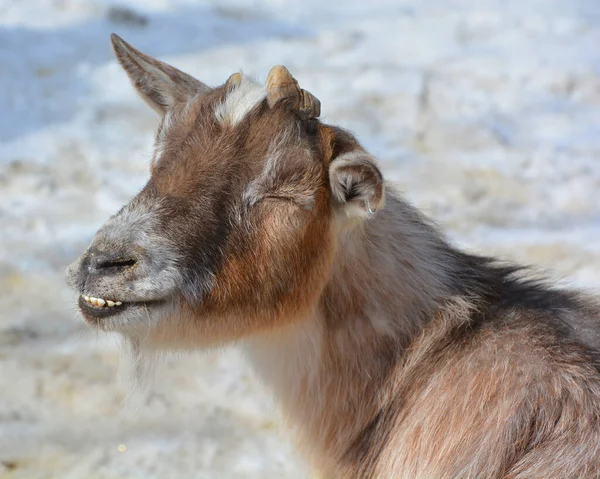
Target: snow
[{"x": 485, "y": 114}]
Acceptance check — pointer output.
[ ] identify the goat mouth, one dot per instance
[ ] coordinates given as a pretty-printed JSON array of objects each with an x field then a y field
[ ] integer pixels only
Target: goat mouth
[
  {"x": 101, "y": 302},
  {"x": 95, "y": 309}
]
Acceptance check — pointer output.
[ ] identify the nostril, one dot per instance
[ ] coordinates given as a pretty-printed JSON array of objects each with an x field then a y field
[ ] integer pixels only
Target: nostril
[{"x": 115, "y": 263}]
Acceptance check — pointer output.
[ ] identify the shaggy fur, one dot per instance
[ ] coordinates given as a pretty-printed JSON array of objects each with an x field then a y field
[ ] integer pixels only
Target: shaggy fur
[{"x": 392, "y": 354}]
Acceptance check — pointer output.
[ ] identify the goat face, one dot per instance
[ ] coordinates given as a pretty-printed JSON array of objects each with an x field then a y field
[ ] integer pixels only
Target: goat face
[{"x": 235, "y": 230}]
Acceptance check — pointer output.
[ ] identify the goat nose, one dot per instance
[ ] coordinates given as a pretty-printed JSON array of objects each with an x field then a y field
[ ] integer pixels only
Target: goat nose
[{"x": 104, "y": 263}]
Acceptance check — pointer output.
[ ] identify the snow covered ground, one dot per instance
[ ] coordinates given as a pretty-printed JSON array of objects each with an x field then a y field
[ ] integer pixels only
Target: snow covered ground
[{"x": 485, "y": 113}]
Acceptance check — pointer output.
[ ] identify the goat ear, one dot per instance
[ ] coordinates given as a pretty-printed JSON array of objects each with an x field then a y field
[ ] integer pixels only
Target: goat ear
[
  {"x": 159, "y": 84},
  {"x": 357, "y": 184}
]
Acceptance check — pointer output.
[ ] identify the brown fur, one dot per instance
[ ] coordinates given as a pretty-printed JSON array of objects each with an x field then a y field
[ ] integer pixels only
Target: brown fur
[{"x": 391, "y": 353}]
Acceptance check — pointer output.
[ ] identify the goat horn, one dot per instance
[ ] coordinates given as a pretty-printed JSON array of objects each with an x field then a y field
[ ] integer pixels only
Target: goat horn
[
  {"x": 310, "y": 106},
  {"x": 282, "y": 85},
  {"x": 234, "y": 80}
]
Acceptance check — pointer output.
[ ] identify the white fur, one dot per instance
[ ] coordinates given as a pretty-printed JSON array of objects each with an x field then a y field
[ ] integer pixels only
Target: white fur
[
  {"x": 240, "y": 101},
  {"x": 159, "y": 145},
  {"x": 286, "y": 356}
]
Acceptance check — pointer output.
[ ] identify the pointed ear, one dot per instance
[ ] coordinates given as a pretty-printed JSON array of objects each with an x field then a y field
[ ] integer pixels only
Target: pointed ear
[
  {"x": 357, "y": 184},
  {"x": 159, "y": 84}
]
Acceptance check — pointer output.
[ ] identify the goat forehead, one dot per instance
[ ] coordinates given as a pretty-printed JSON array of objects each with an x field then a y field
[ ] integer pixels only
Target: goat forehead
[
  {"x": 209, "y": 138},
  {"x": 227, "y": 105},
  {"x": 196, "y": 119}
]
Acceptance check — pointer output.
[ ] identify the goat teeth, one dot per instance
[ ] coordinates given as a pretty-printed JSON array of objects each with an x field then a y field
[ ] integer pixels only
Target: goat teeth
[{"x": 101, "y": 302}]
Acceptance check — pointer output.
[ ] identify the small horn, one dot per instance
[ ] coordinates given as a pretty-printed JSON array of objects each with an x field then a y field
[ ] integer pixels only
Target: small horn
[
  {"x": 234, "y": 80},
  {"x": 282, "y": 85},
  {"x": 310, "y": 106}
]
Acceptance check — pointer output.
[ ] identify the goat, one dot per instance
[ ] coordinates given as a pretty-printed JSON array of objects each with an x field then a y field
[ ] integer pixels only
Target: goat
[{"x": 391, "y": 353}]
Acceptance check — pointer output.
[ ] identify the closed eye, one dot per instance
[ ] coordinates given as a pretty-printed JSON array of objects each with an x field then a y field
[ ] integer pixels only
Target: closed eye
[
  {"x": 305, "y": 201},
  {"x": 290, "y": 199}
]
